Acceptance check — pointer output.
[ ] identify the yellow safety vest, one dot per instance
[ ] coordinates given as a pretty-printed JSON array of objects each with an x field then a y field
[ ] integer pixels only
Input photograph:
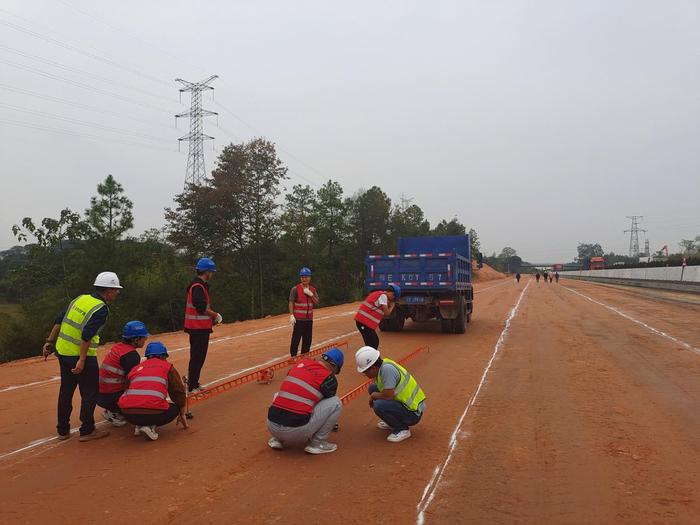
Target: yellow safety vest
[
  {"x": 407, "y": 391},
  {"x": 77, "y": 316}
]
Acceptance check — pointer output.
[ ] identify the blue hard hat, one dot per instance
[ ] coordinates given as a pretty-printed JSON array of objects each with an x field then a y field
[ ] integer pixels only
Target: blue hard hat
[
  {"x": 134, "y": 329},
  {"x": 335, "y": 356},
  {"x": 305, "y": 272},
  {"x": 156, "y": 349},
  {"x": 396, "y": 289},
  {"x": 205, "y": 264}
]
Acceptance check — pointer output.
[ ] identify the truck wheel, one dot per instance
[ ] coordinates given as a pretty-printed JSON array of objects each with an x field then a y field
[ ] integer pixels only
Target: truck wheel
[{"x": 398, "y": 323}]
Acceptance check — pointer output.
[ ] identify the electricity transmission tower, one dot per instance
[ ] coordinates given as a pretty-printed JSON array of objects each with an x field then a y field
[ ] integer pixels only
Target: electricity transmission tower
[
  {"x": 634, "y": 234},
  {"x": 195, "y": 173}
]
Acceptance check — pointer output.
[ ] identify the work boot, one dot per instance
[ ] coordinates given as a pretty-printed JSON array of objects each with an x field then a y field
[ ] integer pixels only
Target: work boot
[
  {"x": 382, "y": 425},
  {"x": 63, "y": 437},
  {"x": 97, "y": 433},
  {"x": 275, "y": 443},
  {"x": 150, "y": 432},
  {"x": 320, "y": 447},
  {"x": 395, "y": 437}
]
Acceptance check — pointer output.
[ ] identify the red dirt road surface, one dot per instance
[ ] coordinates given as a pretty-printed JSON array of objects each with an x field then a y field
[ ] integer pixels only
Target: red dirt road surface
[{"x": 563, "y": 403}]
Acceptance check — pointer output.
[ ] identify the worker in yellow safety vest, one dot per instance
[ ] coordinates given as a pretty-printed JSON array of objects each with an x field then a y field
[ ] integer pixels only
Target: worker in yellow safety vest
[
  {"x": 74, "y": 338},
  {"x": 395, "y": 397}
]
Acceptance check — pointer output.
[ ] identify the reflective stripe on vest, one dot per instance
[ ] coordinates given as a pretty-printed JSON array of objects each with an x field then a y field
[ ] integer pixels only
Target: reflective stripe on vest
[
  {"x": 304, "y": 305},
  {"x": 148, "y": 386},
  {"x": 141, "y": 392},
  {"x": 193, "y": 319},
  {"x": 112, "y": 375},
  {"x": 300, "y": 390},
  {"x": 407, "y": 392},
  {"x": 368, "y": 313},
  {"x": 78, "y": 314}
]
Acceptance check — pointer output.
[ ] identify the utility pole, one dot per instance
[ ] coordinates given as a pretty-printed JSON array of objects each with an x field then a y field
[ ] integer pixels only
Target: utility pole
[
  {"x": 196, "y": 172},
  {"x": 634, "y": 234}
]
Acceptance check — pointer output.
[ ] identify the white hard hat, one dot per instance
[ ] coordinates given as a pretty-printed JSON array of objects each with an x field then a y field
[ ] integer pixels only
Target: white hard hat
[
  {"x": 107, "y": 280},
  {"x": 366, "y": 357}
]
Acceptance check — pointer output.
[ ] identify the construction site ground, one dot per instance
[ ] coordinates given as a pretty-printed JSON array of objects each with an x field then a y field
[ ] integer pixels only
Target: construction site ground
[{"x": 562, "y": 403}]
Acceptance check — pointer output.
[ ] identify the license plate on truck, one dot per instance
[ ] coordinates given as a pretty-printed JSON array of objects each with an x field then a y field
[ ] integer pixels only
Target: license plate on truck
[{"x": 415, "y": 299}]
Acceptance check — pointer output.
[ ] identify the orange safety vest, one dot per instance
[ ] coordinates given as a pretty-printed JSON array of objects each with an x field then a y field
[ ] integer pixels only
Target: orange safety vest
[
  {"x": 304, "y": 305},
  {"x": 193, "y": 319},
  {"x": 148, "y": 386},
  {"x": 112, "y": 375},
  {"x": 368, "y": 314},
  {"x": 300, "y": 390}
]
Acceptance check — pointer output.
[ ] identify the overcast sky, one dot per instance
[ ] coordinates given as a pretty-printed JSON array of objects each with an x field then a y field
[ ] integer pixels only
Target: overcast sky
[{"x": 540, "y": 124}]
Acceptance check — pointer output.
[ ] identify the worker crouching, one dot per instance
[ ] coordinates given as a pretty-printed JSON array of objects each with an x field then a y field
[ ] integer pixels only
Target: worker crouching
[
  {"x": 307, "y": 407},
  {"x": 115, "y": 368},
  {"x": 145, "y": 401},
  {"x": 395, "y": 397}
]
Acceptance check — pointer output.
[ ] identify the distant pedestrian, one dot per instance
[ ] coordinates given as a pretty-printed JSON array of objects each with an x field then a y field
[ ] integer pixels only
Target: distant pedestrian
[
  {"x": 545, "y": 275},
  {"x": 75, "y": 335},
  {"x": 372, "y": 310},
  {"x": 551, "y": 278},
  {"x": 302, "y": 299},
  {"x": 199, "y": 319},
  {"x": 556, "y": 276},
  {"x": 517, "y": 277},
  {"x": 537, "y": 277}
]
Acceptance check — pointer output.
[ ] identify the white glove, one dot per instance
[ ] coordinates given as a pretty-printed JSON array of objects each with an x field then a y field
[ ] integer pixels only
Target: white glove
[
  {"x": 218, "y": 319},
  {"x": 292, "y": 320},
  {"x": 308, "y": 292}
]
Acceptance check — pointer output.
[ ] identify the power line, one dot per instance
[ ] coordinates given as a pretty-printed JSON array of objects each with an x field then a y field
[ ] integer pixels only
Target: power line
[
  {"x": 67, "y": 132},
  {"x": 83, "y": 123},
  {"x": 77, "y": 49},
  {"x": 82, "y": 85},
  {"x": 86, "y": 73},
  {"x": 82, "y": 106}
]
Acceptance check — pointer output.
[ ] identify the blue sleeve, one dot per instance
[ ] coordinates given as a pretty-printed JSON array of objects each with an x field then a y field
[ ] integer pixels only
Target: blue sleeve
[
  {"x": 97, "y": 321},
  {"x": 60, "y": 317},
  {"x": 129, "y": 361}
]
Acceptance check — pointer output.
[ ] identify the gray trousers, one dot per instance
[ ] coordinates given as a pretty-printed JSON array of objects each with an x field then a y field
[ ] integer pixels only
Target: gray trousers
[{"x": 323, "y": 418}]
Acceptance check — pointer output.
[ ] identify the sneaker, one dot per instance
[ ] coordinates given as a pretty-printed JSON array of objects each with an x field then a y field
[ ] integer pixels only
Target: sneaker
[
  {"x": 275, "y": 443},
  {"x": 382, "y": 425},
  {"x": 98, "y": 433},
  {"x": 320, "y": 447},
  {"x": 63, "y": 437},
  {"x": 150, "y": 432},
  {"x": 116, "y": 419},
  {"x": 395, "y": 437},
  {"x": 137, "y": 431},
  {"x": 196, "y": 390}
]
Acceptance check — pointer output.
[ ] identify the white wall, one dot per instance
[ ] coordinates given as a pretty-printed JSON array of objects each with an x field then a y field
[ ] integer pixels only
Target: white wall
[{"x": 691, "y": 273}]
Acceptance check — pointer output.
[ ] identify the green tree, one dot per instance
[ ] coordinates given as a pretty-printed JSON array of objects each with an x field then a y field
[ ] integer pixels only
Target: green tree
[
  {"x": 298, "y": 219},
  {"x": 407, "y": 221},
  {"x": 453, "y": 227},
  {"x": 474, "y": 242},
  {"x": 370, "y": 211},
  {"x": 110, "y": 212},
  {"x": 331, "y": 217}
]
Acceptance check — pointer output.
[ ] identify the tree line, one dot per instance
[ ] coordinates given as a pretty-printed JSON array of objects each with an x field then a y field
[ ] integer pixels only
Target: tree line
[{"x": 258, "y": 233}]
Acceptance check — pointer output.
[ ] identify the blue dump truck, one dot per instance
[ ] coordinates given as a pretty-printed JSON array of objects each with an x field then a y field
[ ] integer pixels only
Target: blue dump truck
[{"x": 435, "y": 276}]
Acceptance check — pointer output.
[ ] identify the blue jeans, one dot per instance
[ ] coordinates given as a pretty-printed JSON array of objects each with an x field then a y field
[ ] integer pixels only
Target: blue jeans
[{"x": 393, "y": 413}]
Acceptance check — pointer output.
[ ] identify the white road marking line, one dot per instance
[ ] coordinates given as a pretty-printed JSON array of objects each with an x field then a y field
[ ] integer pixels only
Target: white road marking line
[
  {"x": 24, "y": 385},
  {"x": 685, "y": 345},
  {"x": 181, "y": 348},
  {"x": 43, "y": 441},
  {"x": 432, "y": 486}
]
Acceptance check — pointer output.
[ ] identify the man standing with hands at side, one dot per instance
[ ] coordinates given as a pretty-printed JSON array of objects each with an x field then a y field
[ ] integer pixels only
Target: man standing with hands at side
[
  {"x": 302, "y": 299},
  {"x": 199, "y": 319}
]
